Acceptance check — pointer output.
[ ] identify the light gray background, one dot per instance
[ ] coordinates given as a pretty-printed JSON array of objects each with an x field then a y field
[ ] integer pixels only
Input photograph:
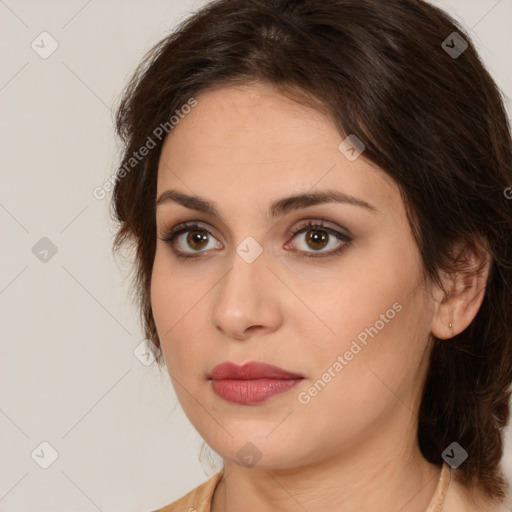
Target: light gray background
[{"x": 68, "y": 373}]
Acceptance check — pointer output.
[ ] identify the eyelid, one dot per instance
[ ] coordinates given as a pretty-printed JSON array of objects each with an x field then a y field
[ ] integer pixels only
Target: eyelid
[
  {"x": 319, "y": 223},
  {"x": 310, "y": 224},
  {"x": 183, "y": 227},
  {"x": 186, "y": 226}
]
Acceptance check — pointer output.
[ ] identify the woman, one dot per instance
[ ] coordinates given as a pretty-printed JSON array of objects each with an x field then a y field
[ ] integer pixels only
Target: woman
[{"x": 316, "y": 191}]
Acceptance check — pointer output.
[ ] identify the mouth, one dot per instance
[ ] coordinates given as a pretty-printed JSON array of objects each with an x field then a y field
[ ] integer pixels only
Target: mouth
[{"x": 251, "y": 383}]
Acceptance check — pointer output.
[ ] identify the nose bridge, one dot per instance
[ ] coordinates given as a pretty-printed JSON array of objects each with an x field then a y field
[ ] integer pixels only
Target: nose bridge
[
  {"x": 244, "y": 298},
  {"x": 248, "y": 268}
]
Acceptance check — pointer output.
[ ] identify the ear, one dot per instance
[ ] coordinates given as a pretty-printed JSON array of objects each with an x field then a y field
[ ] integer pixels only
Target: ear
[{"x": 463, "y": 292}]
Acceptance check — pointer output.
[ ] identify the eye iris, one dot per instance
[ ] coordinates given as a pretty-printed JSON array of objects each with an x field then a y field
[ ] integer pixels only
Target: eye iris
[
  {"x": 197, "y": 237},
  {"x": 317, "y": 238}
]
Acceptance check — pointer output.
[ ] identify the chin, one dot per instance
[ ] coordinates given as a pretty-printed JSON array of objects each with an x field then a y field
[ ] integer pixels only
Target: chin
[{"x": 259, "y": 453}]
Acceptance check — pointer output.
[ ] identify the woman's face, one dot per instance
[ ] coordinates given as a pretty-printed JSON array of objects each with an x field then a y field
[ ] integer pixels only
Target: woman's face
[{"x": 348, "y": 313}]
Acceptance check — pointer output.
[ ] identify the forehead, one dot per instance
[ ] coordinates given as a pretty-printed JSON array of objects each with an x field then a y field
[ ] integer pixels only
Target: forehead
[
  {"x": 250, "y": 118},
  {"x": 252, "y": 140}
]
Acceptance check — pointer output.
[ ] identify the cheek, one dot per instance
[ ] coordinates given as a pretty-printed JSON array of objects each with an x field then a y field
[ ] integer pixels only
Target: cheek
[
  {"x": 373, "y": 377},
  {"x": 382, "y": 352},
  {"x": 354, "y": 299},
  {"x": 175, "y": 303},
  {"x": 374, "y": 314}
]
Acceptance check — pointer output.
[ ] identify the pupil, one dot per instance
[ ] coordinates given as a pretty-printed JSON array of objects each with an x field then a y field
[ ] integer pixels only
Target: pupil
[
  {"x": 195, "y": 238},
  {"x": 318, "y": 239}
]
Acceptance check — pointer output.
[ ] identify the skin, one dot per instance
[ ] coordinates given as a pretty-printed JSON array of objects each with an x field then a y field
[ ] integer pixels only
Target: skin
[{"x": 353, "y": 447}]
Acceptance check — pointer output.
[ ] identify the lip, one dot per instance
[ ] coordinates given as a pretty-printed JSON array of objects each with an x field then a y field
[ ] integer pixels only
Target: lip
[
  {"x": 251, "y": 383},
  {"x": 250, "y": 371}
]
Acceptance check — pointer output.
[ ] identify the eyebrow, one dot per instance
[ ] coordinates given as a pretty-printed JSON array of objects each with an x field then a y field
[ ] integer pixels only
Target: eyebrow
[{"x": 277, "y": 209}]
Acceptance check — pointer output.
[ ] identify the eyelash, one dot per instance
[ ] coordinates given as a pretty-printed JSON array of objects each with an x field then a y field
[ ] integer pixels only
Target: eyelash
[{"x": 184, "y": 228}]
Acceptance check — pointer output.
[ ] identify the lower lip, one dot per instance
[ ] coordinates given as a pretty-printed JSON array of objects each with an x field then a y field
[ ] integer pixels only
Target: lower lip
[{"x": 251, "y": 392}]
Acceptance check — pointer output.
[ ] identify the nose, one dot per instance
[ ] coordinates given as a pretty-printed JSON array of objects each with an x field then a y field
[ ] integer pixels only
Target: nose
[{"x": 247, "y": 302}]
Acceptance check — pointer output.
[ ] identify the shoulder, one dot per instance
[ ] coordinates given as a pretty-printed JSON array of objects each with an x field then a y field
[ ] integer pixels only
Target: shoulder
[{"x": 198, "y": 499}]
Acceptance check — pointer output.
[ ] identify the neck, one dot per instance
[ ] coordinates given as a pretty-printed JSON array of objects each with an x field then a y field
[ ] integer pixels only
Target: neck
[{"x": 389, "y": 481}]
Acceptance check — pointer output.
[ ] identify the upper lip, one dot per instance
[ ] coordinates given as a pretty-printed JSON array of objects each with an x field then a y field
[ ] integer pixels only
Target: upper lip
[{"x": 250, "y": 371}]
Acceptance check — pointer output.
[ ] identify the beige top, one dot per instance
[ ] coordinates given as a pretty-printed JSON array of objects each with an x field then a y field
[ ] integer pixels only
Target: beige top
[{"x": 200, "y": 498}]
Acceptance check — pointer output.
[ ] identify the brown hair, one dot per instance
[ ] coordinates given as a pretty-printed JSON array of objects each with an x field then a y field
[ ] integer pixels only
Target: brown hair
[{"x": 434, "y": 122}]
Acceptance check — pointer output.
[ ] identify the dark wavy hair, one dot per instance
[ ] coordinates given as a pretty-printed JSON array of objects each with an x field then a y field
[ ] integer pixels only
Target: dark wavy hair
[{"x": 433, "y": 121}]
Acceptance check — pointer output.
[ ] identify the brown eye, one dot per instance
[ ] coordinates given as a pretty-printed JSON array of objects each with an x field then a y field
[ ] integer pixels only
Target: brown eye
[
  {"x": 197, "y": 240},
  {"x": 317, "y": 238},
  {"x": 190, "y": 240}
]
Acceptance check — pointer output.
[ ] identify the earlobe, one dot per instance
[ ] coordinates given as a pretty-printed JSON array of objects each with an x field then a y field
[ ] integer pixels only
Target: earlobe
[{"x": 456, "y": 306}]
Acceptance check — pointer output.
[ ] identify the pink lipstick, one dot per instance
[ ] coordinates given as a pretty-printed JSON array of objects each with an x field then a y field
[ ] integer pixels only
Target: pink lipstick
[{"x": 251, "y": 383}]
